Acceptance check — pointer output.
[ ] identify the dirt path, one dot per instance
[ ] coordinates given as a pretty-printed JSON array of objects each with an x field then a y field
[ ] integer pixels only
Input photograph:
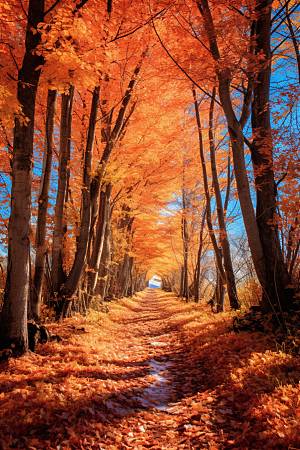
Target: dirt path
[
  {"x": 154, "y": 330},
  {"x": 155, "y": 373},
  {"x": 160, "y": 416},
  {"x": 114, "y": 382}
]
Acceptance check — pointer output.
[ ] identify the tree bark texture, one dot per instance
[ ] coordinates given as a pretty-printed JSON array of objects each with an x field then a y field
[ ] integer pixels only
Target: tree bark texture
[
  {"x": 58, "y": 275},
  {"x": 13, "y": 319},
  {"x": 40, "y": 238},
  {"x": 184, "y": 233},
  {"x": 102, "y": 224},
  {"x": 125, "y": 267},
  {"x": 199, "y": 256},
  {"x": 207, "y": 193},
  {"x": 113, "y": 270},
  {"x": 277, "y": 275},
  {"x": 102, "y": 281},
  {"x": 123, "y": 276},
  {"x": 181, "y": 281},
  {"x": 230, "y": 279},
  {"x": 129, "y": 290},
  {"x": 220, "y": 294},
  {"x": 72, "y": 281},
  {"x": 235, "y": 129}
]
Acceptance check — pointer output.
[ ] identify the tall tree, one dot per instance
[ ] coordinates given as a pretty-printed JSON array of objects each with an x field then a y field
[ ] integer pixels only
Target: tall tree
[
  {"x": 92, "y": 187},
  {"x": 216, "y": 249},
  {"x": 40, "y": 238},
  {"x": 58, "y": 273},
  {"x": 72, "y": 281},
  {"x": 279, "y": 292},
  {"x": 230, "y": 279},
  {"x": 185, "y": 240},
  {"x": 235, "y": 128},
  {"x": 13, "y": 319}
]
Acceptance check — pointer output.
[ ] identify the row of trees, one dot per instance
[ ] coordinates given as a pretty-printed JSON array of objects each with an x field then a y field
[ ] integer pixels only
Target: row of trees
[{"x": 124, "y": 155}]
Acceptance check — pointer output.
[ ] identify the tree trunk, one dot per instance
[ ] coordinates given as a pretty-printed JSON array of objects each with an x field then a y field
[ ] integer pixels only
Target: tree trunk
[
  {"x": 40, "y": 238},
  {"x": 128, "y": 287},
  {"x": 13, "y": 318},
  {"x": 207, "y": 195},
  {"x": 229, "y": 181},
  {"x": 166, "y": 285},
  {"x": 102, "y": 282},
  {"x": 73, "y": 279},
  {"x": 181, "y": 290},
  {"x": 235, "y": 129},
  {"x": 93, "y": 193},
  {"x": 141, "y": 284},
  {"x": 111, "y": 282},
  {"x": 230, "y": 279},
  {"x": 184, "y": 233},
  {"x": 124, "y": 267},
  {"x": 58, "y": 275},
  {"x": 199, "y": 256},
  {"x": 292, "y": 249},
  {"x": 220, "y": 294},
  {"x": 122, "y": 276},
  {"x": 103, "y": 219},
  {"x": 277, "y": 275}
]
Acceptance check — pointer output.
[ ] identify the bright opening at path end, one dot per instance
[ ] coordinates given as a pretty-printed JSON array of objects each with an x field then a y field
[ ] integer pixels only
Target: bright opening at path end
[{"x": 155, "y": 282}]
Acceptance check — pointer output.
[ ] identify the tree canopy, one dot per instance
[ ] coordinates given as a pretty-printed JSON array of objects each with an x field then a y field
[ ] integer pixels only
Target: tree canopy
[{"x": 147, "y": 138}]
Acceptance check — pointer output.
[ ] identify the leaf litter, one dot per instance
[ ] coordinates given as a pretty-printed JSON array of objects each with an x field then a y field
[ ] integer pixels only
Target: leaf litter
[{"x": 155, "y": 373}]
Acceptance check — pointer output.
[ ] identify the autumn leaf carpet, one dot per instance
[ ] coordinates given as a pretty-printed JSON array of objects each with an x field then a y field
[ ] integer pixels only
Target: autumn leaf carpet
[{"x": 154, "y": 373}]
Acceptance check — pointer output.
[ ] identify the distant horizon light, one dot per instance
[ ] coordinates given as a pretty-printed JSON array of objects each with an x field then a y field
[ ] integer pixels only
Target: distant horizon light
[{"x": 155, "y": 282}]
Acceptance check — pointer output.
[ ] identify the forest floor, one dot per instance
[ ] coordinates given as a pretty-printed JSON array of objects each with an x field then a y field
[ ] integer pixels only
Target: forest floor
[{"x": 153, "y": 373}]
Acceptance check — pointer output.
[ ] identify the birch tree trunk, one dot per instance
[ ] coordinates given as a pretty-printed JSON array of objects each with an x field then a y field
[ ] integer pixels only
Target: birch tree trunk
[
  {"x": 13, "y": 318},
  {"x": 40, "y": 238}
]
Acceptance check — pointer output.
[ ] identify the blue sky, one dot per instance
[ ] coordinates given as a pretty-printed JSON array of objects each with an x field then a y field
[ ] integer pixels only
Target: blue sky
[{"x": 155, "y": 282}]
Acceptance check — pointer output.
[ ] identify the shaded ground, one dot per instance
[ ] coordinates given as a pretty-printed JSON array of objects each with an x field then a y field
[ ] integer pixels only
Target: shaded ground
[{"x": 154, "y": 373}]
